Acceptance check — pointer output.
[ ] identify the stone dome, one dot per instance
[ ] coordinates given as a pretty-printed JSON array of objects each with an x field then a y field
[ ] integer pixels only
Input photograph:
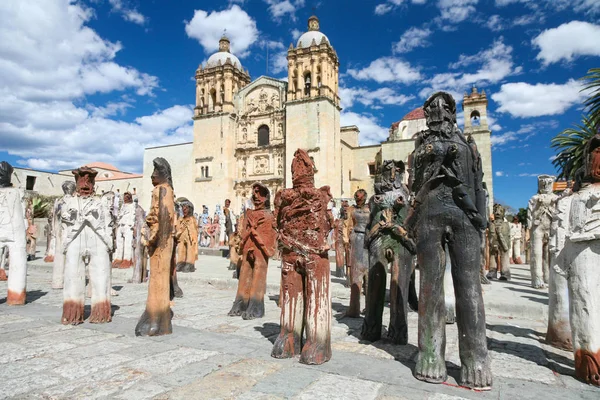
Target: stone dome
[
  {"x": 306, "y": 39},
  {"x": 222, "y": 56}
]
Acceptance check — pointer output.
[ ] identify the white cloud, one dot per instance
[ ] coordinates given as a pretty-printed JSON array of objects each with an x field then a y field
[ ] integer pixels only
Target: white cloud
[
  {"x": 495, "y": 23},
  {"x": 570, "y": 40},
  {"x": 208, "y": 29},
  {"x": 370, "y": 130},
  {"x": 50, "y": 61},
  {"x": 455, "y": 11},
  {"x": 387, "y": 69},
  {"x": 411, "y": 39},
  {"x": 524, "y": 133},
  {"x": 280, "y": 8},
  {"x": 383, "y": 96},
  {"x": 588, "y": 7},
  {"x": 384, "y": 8},
  {"x": 128, "y": 13},
  {"x": 499, "y": 173},
  {"x": 279, "y": 63},
  {"x": 296, "y": 33},
  {"x": 522, "y": 99}
]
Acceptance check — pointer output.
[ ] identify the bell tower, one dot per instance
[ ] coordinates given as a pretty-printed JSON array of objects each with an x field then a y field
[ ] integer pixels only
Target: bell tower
[
  {"x": 476, "y": 124},
  {"x": 313, "y": 106}
]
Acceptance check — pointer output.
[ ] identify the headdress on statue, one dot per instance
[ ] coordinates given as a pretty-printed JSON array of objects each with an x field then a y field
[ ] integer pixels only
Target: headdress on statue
[
  {"x": 303, "y": 169},
  {"x": 85, "y": 179},
  {"x": 68, "y": 187},
  {"x": 6, "y": 171},
  {"x": 163, "y": 168}
]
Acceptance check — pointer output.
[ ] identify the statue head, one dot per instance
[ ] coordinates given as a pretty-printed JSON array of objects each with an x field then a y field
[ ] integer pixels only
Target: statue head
[
  {"x": 6, "y": 171},
  {"x": 390, "y": 176},
  {"x": 204, "y": 210},
  {"x": 591, "y": 155},
  {"x": 360, "y": 197},
  {"x": 303, "y": 169},
  {"x": 499, "y": 212},
  {"x": 261, "y": 197},
  {"x": 187, "y": 208},
  {"x": 227, "y": 203},
  {"x": 68, "y": 187},
  {"x": 440, "y": 112},
  {"x": 85, "y": 180},
  {"x": 127, "y": 198},
  {"x": 545, "y": 184},
  {"x": 162, "y": 172}
]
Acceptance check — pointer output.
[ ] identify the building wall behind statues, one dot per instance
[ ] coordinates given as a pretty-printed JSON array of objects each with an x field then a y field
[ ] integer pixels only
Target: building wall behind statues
[{"x": 44, "y": 183}]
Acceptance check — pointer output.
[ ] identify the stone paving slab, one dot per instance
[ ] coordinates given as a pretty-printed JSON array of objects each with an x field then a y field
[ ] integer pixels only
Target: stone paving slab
[{"x": 213, "y": 356}]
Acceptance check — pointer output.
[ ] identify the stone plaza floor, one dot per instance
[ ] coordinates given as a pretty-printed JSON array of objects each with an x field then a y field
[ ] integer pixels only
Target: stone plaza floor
[{"x": 213, "y": 356}]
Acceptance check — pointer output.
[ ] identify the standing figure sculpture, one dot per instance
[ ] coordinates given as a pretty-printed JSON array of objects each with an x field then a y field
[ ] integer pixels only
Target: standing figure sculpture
[
  {"x": 516, "y": 229},
  {"x": 186, "y": 237},
  {"x": 388, "y": 243},
  {"x": 12, "y": 238},
  {"x": 156, "y": 318},
  {"x": 49, "y": 235},
  {"x": 539, "y": 218},
  {"x": 228, "y": 221},
  {"x": 123, "y": 255},
  {"x": 31, "y": 238},
  {"x": 499, "y": 245},
  {"x": 58, "y": 269},
  {"x": 304, "y": 224},
  {"x": 559, "y": 329},
  {"x": 340, "y": 242},
  {"x": 582, "y": 258},
  {"x": 140, "y": 230},
  {"x": 358, "y": 217},
  {"x": 258, "y": 242},
  {"x": 449, "y": 209},
  {"x": 86, "y": 243}
]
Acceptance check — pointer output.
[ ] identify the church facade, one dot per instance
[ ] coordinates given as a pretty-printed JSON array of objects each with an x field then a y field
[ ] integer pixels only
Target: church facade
[{"x": 247, "y": 131}]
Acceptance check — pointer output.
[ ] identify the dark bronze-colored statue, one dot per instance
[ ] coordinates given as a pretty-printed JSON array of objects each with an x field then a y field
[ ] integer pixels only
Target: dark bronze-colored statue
[
  {"x": 449, "y": 209},
  {"x": 499, "y": 245},
  {"x": 388, "y": 243},
  {"x": 258, "y": 242},
  {"x": 358, "y": 216},
  {"x": 304, "y": 224}
]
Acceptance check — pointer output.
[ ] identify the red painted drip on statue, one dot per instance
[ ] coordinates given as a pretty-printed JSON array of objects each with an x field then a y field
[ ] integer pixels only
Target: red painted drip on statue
[
  {"x": 49, "y": 259},
  {"x": 587, "y": 366},
  {"x": 72, "y": 313},
  {"x": 15, "y": 298},
  {"x": 3, "y": 276},
  {"x": 100, "y": 313}
]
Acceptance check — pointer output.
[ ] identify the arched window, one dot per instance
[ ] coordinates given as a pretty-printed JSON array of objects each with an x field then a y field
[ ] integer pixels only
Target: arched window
[
  {"x": 202, "y": 172},
  {"x": 295, "y": 81},
  {"x": 318, "y": 77},
  {"x": 475, "y": 118},
  {"x": 212, "y": 99},
  {"x": 263, "y": 135},
  {"x": 206, "y": 171},
  {"x": 307, "y": 83}
]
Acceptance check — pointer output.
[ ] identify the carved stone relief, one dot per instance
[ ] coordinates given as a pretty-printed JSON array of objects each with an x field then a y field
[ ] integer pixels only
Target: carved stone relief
[{"x": 261, "y": 164}]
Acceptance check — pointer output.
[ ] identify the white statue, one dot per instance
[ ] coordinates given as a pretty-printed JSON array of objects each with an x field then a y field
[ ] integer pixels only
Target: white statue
[
  {"x": 582, "y": 265},
  {"x": 87, "y": 243},
  {"x": 12, "y": 238},
  {"x": 58, "y": 269},
  {"x": 539, "y": 218},
  {"x": 516, "y": 235},
  {"x": 123, "y": 256}
]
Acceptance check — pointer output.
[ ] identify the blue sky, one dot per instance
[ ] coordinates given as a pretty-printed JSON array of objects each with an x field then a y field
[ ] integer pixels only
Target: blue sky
[{"x": 100, "y": 80}]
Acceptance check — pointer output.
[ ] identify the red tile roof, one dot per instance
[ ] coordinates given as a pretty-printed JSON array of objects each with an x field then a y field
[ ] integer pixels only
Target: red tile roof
[{"x": 417, "y": 113}]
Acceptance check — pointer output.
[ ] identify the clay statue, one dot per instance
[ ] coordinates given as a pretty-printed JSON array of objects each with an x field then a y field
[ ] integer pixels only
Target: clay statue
[
  {"x": 86, "y": 244},
  {"x": 449, "y": 209},
  {"x": 340, "y": 241},
  {"x": 156, "y": 319},
  {"x": 48, "y": 234},
  {"x": 186, "y": 237},
  {"x": 358, "y": 217},
  {"x": 258, "y": 241},
  {"x": 58, "y": 269},
  {"x": 140, "y": 253},
  {"x": 388, "y": 243},
  {"x": 516, "y": 234},
  {"x": 539, "y": 218},
  {"x": 499, "y": 245},
  {"x": 582, "y": 258},
  {"x": 304, "y": 224},
  {"x": 228, "y": 220},
  {"x": 123, "y": 255},
  {"x": 12, "y": 238},
  {"x": 559, "y": 330},
  {"x": 234, "y": 248},
  {"x": 31, "y": 234}
]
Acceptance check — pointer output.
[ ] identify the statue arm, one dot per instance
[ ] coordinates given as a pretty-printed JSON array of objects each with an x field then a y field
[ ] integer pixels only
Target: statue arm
[{"x": 530, "y": 206}]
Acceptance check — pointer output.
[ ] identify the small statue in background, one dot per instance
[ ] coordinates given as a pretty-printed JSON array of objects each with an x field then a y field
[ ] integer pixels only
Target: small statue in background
[
  {"x": 499, "y": 245},
  {"x": 86, "y": 244},
  {"x": 515, "y": 240},
  {"x": 49, "y": 235},
  {"x": 539, "y": 219},
  {"x": 304, "y": 224},
  {"x": 358, "y": 217},
  {"x": 340, "y": 242},
  {"x": 156, "y": 319},
  {"x": 12, "y": 238},
  {"x": 123, "y": 255},
  {"x": 140, "y": 253},
  {"x": 186, "y": 237},
  {"x": 258, "y": 242},
  {"x": 31, "y": 234}
]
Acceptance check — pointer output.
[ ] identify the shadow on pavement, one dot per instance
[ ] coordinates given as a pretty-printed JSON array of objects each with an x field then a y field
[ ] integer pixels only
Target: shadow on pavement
[{"x": 269, "y": 330}]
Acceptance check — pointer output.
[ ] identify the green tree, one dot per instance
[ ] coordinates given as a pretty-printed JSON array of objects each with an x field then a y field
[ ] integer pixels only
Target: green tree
[
  {"x": 569, "y": 145},
  {"x": 522, "y": 215},
  {"x": 592, "y": 104}
]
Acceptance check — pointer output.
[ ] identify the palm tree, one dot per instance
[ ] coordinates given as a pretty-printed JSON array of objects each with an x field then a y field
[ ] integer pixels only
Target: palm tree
[
  {"x": 569, "y": 145},
  {"x": 592, "y": 104}
]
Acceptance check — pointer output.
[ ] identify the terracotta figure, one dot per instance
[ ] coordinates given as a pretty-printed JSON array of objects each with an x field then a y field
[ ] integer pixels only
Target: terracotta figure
[
  {"x": 123, "y": 255},
  {"x": 228, "y": 220},
  {"x": 234, "y": 247},
  {"x": 12, "y": 238},
  {"x": 304, "y": 224},
  {"x": 388, "y": 243},
  {"x": 48, "y": 234},
  {"x": 515, "y": 241},
  {"x": 86, "y": 244},
  {"x": 582, "y": 258},
  {"x": 499, "y": 245},
  {"x": 358, "y": 216},
  {"x": 31, "y": 234},
  {"x": 140, "y": 254},
  {"x": 539, "y": 218},
  {"x": 58, "y": 269},
  {"x": 186, "y": 237},
  {"x": 559, "y": 329},
  {"x": 156, "y": 319},
  {"x": 449, "y": 210},
  {"x": 258, "y": 241},
  {"x": 339, "y": 234}
]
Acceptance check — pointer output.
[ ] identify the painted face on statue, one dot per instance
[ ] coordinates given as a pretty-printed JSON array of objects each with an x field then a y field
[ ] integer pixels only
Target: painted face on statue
[
  {"x": 259, "y": 197},
  {"x": 157, "y": 178},
  {"x": 499, "y": 213},
  {"x": 85, "y": 184},
  {"x": 545, "y": 184},
  {"x": 303, "y": 169},
  {"x": 127, "y": 198},
  {"x": 359, "y": 198},
  {"x": 595, "y": 165},
  {"x": 439, "y": 114},
  {"x": 187, "y": 211}
]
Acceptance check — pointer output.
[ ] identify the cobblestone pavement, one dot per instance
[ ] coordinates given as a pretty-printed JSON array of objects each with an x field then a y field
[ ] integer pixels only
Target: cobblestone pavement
[{"x": 213, "y": 356}]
